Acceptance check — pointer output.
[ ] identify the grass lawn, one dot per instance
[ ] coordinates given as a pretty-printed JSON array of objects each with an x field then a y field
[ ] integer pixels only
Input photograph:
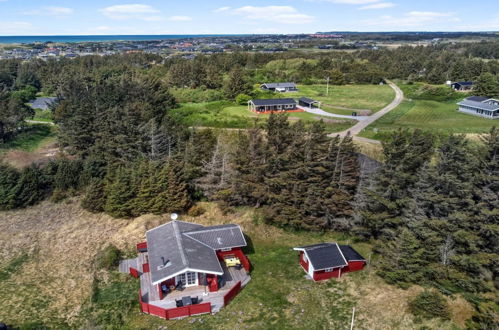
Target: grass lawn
[
  {"x": 228, "y": 115},
  {"x": 370, "y": 97},
  {"x": 43, "y": 115},
  {"x": 31, "y": 138},
  {"x": 441, "y": 117}
]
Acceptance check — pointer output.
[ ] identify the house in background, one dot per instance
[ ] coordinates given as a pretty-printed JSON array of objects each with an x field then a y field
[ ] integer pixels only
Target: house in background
[
  {"x": 462, "y": 86},
  {"x": 480, "y": 106},
  {"x": 273, "y": 105},
  {"x": 280, "y": 87},
  {"x": 329, "y": 260},
  {"x": 187, "y": 269}
]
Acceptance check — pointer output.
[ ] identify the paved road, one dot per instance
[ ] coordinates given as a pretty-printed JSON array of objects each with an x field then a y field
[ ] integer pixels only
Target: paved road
[
  {"x": 357, "y": 128},
  {"x": 321, "y": 112},
  {"x": 40, "y": 122}
]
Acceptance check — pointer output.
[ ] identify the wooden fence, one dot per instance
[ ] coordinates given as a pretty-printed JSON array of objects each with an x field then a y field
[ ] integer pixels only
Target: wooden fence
[
  {"x": 174, "y": 313},
  {"x": 232, "y": 293}
]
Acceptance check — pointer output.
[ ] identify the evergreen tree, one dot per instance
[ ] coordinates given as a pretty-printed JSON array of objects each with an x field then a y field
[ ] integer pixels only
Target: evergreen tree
[
  {"x": 119, "y": 192},
  {"x": 31, "y": 187},
  {"x": 94, "y": 199},
  {"x": 236, "y": 84},
  {"x": 9, "y": 177}
]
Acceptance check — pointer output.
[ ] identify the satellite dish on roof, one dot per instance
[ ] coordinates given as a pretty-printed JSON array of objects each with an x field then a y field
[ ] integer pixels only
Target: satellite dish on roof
[{"x": 174, "y": 216}]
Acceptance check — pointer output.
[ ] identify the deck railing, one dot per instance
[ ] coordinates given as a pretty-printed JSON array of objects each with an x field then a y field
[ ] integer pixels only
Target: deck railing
[
  {"x": 174, "y": 313},
  {"x": 232, "y": 293},
  {"x": 134, "y": 272}
]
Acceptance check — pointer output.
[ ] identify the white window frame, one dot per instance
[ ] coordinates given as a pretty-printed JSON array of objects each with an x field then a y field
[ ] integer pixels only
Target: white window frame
[
  {"x": 304, "y": 257},
  {"x": 328, "y": 270},
  {"x": 186, "y": 279},
  {"x": 226, "y": 249}
]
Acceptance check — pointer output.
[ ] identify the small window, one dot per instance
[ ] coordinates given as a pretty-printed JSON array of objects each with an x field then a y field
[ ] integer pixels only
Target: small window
[
  {"x": 226, "y": 249},
  {"x": 304, "y": 257},
  {"x": 328, "y": 270}
]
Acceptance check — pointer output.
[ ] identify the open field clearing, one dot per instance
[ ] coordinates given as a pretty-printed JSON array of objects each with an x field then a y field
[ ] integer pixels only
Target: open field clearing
[
  {"x": 48, "y": 275},
  {"x": 227, "y": 115},
  {"x": 352, "y": 97},
  {"x": 441, "y": 117}
]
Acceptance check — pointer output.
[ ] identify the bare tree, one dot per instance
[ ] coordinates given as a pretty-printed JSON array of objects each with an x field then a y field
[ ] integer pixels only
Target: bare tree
[{"x": 447, "y": 250}]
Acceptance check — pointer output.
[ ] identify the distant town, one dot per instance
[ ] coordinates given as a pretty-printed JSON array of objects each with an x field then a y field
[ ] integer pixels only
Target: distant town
[{"x": 189, "y": 47}]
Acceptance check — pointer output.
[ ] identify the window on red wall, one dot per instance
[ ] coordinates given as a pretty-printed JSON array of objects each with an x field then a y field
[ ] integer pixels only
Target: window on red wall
[{"x": 328, "y": 270}]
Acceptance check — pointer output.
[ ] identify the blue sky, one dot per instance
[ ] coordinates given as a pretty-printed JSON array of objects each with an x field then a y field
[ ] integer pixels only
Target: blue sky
[{"x": 56, "y": 17}]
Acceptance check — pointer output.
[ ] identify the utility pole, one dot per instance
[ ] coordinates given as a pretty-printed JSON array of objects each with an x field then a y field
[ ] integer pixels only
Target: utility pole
[
  {"x": 327, "y": 86},
  {"x": 353, "y": 318}
]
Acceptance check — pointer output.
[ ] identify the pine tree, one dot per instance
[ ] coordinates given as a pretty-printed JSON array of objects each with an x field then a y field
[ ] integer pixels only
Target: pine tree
[
  {"x": 31, "y": 187},
  {"x": 120, "y": 193},
  {"x": 94, "y": 199},
  {"x": 236, "y": 83},
  {"x": 177, "y": 194},
  {"x": 9, "y": 177}
]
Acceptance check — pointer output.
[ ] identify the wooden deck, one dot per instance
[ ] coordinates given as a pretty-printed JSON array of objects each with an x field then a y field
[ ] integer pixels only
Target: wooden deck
[
  {"x": 150, "y": 292},
  {"x": 126, "y": 264}
]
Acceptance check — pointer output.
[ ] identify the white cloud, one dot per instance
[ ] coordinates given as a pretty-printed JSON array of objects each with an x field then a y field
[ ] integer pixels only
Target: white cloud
[
  {"x": 131, "y": 11},
  {"x": 380, "y": 5},
  {"x": 221, "y": 9},
  {"x": 276, "y": 14},
  {"x": 413, "y": 19},
  {"x": 50, "y": 11},
  {"x": 180, "y": 18},
  {"x": 15, "y": 28},
  {"x": 352, "y": 2}
]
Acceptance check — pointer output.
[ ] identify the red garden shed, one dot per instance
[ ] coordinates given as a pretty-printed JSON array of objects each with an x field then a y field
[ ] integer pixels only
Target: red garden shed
[{"x": 327, "y": 260}]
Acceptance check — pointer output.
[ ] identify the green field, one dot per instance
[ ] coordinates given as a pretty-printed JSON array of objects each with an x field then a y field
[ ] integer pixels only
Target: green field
[
  {"x": 30, "y": 138},
  {"x": 360, "y": 97},
  {"x": 228, "y": 115},
  {"x": 441, "y": 117}
]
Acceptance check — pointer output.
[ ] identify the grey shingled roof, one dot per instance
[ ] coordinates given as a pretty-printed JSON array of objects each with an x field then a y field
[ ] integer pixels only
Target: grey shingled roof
[
  {"x": 167, "y": 245},
  {"x": 43, "y": 103},
  {"x": 478, "y": 104},
  {"x": 281, "y": 85},
  {"x": 478, "y": 98},
  {"x": 324, "y": 255},
  {"x": 219, "y": 237},
  {"x": 273, "y": 102},
  {"x": 350, "y": 254}
]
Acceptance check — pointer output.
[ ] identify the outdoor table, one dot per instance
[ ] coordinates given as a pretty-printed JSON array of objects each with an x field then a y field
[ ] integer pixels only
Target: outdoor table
[{"x": 186, "y": 301}]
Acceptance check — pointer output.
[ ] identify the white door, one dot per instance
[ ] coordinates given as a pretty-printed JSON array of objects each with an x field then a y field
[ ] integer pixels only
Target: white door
[{"x": 188, "y": 279}]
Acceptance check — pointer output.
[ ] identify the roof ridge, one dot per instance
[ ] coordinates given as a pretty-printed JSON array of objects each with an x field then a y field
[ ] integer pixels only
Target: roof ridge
[
  {"x": 178, "y": 237},
  {"x": 206, "y": 229}
]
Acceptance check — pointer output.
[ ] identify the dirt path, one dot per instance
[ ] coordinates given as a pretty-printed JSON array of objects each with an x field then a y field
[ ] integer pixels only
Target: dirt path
[{"x": 357, "y": 128}]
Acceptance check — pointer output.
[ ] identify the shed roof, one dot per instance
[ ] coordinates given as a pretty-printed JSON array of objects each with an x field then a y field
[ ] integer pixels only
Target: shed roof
[
  {"x": 464, "y": 83},
  {"x": 324, "y": 255},
  {"x": 263, "y": 102},
  {"x": 280, "y": 85}
]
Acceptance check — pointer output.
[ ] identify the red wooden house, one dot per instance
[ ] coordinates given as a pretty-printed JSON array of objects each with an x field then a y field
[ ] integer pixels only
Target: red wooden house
[
  {"x": 327, "y": 260},
  {"x": 183, "y": 269}
]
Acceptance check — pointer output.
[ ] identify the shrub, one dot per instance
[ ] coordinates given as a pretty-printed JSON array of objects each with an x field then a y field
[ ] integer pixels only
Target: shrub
[
  {"x": 242, "y": 99},
  {"x": 196, "y": 211},
  {"x": 429, "y": 304},
  {"x": 108, "y": 258}
]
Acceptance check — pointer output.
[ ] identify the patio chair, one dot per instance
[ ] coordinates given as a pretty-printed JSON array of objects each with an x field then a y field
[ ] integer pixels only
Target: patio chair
[
  {"x": 179, "y": 286},
  {"x": 179, "y": 303},
  {"x": 194, "y": 300}
]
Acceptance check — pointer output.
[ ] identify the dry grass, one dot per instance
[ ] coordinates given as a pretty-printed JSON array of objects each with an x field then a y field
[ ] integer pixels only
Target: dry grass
[
  {"x": 62, "y": 241},
  {"x": 21, "y": 158}
]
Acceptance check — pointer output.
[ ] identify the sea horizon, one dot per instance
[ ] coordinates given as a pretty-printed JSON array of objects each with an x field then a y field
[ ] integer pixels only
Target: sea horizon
[{"x": 100, "y": 38}]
